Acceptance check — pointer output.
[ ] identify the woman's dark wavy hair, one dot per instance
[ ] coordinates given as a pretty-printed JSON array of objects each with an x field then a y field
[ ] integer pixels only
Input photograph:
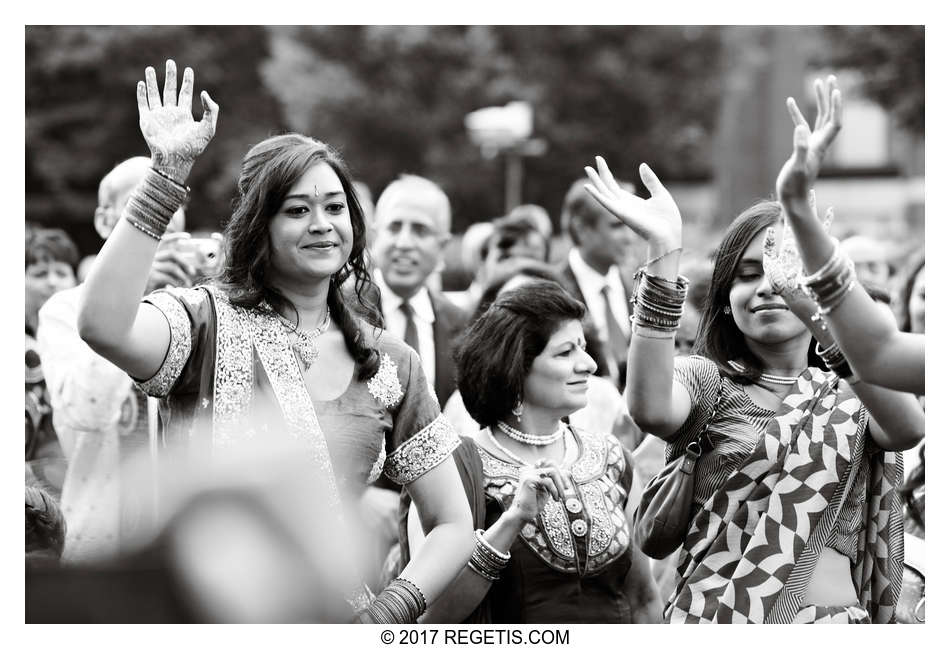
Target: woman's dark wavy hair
[
  {"x": 540, "y": 270},
  {"x": 507, "y": 269},
  {"x": 497, "y": 349},
  {"x": 268, "y": 172},
  {"x": 718, "y": 338}
]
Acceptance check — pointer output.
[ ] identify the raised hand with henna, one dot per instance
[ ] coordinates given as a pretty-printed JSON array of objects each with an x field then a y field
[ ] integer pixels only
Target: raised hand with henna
[
  {"x": 782, "y": 265},
  {"x": 656, "y": 219},
  {"x": 171, "y": 132},
  {"x": 801, "y": 169}
]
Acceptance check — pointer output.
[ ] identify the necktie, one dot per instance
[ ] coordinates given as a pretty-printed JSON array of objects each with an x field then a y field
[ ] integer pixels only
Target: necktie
[
  {"x": 412, "y": 335},
  {"x": 616, "y": 339}
]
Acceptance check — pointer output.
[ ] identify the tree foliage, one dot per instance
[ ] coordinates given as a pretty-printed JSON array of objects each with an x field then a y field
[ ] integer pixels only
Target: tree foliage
[
  {"x": 393, "y": 99},
  {"x": 890, "y": 59}
]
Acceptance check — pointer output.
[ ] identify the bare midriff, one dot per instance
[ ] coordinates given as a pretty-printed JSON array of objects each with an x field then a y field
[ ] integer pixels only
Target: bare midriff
[{"x": 831, "y": 583}]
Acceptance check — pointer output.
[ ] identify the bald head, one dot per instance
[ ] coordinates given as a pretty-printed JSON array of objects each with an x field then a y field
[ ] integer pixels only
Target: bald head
[
  {"x": 870, "y": 257},
  {"x": 415, "y": 193},
  {"x": 116, "y": 187}
]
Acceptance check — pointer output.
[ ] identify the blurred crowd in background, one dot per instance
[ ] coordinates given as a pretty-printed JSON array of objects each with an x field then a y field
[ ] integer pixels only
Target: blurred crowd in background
[{"x": 393, "y": 99}]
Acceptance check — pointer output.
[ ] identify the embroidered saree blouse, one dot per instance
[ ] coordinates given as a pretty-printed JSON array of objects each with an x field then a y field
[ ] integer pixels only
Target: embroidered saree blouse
[
  {"x": 230, "y": 374},
  {"x": 570, "y": 563}
]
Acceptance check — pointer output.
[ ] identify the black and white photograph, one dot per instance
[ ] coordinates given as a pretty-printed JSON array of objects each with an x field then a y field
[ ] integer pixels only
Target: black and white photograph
[{"x": 498, "y": 330}]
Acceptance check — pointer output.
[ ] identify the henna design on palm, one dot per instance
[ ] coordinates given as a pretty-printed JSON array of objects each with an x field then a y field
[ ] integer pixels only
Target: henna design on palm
[
  {"x": 782, "y": 264},
  {"x": 172, "y": 134}
]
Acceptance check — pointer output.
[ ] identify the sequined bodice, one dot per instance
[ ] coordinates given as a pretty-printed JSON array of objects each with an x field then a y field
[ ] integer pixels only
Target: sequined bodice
[{"x": 585, "y": 532}]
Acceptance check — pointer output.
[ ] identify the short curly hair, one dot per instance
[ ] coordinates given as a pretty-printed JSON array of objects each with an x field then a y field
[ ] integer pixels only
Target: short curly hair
[{"x": 495, "y": 353}]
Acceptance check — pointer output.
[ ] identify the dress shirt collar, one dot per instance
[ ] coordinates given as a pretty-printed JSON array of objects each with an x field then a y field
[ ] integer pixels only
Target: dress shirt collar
[
  {"x": 590, "y": 281},
  {"x": 420, "y": 302}
]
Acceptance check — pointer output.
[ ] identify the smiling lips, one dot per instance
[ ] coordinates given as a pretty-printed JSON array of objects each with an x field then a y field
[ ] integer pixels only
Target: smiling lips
[
  {"x": 321, "y": 245},
  {"x": 770, "y": 307}
]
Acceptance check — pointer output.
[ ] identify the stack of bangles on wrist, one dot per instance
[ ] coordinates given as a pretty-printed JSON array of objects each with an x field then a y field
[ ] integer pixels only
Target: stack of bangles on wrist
[
  {"x": 835, "y": 360},
  {"x": 658, "y": 305},
  {"x": 486, "y": 560},
  {"x": 401, "y": 602},
  {"x": 154, "y": 202},
  {"x": 832, "y": 282}
]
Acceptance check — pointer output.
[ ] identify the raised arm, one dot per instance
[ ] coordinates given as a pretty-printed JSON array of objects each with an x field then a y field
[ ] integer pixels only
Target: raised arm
[
  {"x": 657, "y": 404},
  {"x": 112, "y": 319},
  {"x": 897, "y": 420},
  {"x": 877, "y": 351}
]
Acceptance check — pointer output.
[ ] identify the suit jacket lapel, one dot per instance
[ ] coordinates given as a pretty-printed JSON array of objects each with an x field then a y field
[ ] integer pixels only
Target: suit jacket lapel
[{"x": 442, "y": 332}]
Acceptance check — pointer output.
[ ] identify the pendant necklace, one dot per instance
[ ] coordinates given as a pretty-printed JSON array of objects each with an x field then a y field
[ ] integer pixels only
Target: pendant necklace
[{"x": 305, "y": 343}]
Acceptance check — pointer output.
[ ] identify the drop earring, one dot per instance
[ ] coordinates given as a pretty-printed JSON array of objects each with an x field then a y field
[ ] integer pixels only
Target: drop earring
[
  {"x": 518, "y": 410},
  {"x": 727, "y": 310}
]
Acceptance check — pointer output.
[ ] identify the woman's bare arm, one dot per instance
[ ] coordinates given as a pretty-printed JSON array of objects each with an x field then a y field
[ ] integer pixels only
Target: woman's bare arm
[
  {"x": 112, "y": 319},
  {"x": 877, "y": 351},
  {"x": 657, "y": 404}
]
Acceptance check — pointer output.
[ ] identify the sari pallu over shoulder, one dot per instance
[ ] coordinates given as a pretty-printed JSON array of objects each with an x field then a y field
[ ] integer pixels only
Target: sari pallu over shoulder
[{"x": 750, "y": 551}]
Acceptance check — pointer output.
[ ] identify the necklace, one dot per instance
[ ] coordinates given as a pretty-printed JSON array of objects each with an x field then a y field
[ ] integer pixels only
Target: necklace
[
  {"x": 533, "y": 440},
  {"x": 777, "y": 379},
  {"x": 305, "y": 344},
  {"x": 517, "y": 459}
]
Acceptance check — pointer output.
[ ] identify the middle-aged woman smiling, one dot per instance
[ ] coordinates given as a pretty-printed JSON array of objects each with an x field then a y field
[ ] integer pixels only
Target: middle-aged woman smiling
[
  {"x": 795, "y": 512},
  {"x": 550, "y": 501},
  {"x": 271, "y": 348}
]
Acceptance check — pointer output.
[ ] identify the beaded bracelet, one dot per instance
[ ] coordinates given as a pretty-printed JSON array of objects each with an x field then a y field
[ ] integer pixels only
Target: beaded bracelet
[
  {"x": 487, "y": 561},
  {"x": 401, "y": 602},
  {"x": 659, "y": 257},
  {"x": 167, "y": 176},
  {"x": 835, "y": 360},
  {"x": 481, "y": 572},
  {"x": 153, "y": 203},
  {"x": 481, "y": 541},
  {"x": 484, "y": 571},
  {"x": 832, "y": 283},
  {"x": 821, "y": 272},
  {"x": 658, "y": 304}
]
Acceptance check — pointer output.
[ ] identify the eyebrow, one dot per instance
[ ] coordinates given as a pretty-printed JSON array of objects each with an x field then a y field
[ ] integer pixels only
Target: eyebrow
[{"x": 322, "y": 196}]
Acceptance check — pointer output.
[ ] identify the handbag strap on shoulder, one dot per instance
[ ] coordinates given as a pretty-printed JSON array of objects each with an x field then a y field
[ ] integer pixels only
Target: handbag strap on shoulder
[{"x": 702, "y": 440}]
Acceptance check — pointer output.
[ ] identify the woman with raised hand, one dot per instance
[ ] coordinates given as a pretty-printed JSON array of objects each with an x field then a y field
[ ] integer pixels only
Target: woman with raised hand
[
  {"x": 876, "y": 349},
  {"x": 550, "y": 501},
  {"x": 794, "y": 504},
  {"x": 271, "y": 349}
]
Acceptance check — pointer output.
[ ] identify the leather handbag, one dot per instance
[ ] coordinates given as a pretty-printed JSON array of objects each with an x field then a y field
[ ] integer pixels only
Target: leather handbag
[{"x": 663, "y": 515}]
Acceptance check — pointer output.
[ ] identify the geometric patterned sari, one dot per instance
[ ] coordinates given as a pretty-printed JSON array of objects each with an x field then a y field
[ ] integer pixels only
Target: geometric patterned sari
[{"x": 751, "y": 550}]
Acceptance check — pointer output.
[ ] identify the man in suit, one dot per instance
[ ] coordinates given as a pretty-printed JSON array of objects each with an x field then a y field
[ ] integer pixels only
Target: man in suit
[
  {"x": 592, "y": 272},
  {"x": 413, "y": 218}
]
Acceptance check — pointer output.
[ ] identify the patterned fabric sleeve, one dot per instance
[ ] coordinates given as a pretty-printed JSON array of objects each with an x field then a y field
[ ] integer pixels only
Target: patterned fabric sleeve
[
  {"x": 700, "y": 377},
  {"x": 421, "y": 436},
  {"x": 189, "y": 313}
]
